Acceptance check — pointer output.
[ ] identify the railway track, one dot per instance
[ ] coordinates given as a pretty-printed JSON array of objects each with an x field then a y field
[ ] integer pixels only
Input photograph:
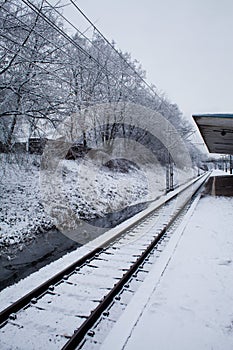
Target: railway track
[{"x": 77, "y": 306}]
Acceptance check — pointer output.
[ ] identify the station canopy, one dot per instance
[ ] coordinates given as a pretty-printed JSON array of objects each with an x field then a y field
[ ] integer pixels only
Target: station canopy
[{"x": 217, "y": 131}]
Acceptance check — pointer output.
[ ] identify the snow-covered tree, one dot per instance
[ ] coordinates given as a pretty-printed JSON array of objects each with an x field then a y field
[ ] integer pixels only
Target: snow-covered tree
[{"x": 31, "y": 88}]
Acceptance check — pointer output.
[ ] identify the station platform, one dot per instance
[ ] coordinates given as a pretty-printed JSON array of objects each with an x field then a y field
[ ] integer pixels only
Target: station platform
[{"x": 186, "y": 301}]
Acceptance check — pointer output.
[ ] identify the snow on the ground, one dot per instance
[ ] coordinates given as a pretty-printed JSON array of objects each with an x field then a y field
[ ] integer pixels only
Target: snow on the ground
[
  {"x": 14, "y": 292},
  {"x": 100, "y": 191},
  {"x": 89, "y": 191},
  {"x": 22, "y": 215},
  {"x": 186, "y": 301},
  {"x": 219, "y": 172}
]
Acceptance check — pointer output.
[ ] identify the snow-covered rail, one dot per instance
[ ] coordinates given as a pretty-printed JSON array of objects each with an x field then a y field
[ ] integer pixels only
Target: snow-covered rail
[{"x": 61, "y": 311}]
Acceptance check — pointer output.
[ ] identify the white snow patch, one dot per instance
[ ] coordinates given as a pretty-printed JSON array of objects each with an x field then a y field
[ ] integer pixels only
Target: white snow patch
[
  {"x": 186, "y": 301},
  {"x": 87, "y": 190},
  {"x": 14, "y": 292},
  {"x": 22, "y": 215},
  {"x": 219, "y": 172}
]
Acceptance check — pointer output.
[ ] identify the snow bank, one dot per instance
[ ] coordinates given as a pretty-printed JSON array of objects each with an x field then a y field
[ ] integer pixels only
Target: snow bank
[
  {"x": 22, "y": 215},
  {"x": 88, "y": 190}
]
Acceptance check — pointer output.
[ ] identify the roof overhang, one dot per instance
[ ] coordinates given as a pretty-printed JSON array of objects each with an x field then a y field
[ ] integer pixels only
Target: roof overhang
[{"x": 217, "y": 131}]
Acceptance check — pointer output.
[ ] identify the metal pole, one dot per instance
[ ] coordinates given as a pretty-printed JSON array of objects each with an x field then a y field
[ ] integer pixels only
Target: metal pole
[
  {"x": 231, "y": 164},
  {"x": 171, "y": 176},
  {"x": 167, "y": 178}
]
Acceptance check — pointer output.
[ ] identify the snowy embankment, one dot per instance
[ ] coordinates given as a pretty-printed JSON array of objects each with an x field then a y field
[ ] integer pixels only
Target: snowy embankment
[
  {"x": 22, "y": 215},
  {"x": 90, "y": 192}
]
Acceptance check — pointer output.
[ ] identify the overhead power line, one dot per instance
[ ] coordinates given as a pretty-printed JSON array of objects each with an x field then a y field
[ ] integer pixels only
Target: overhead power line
[
  {"x": 40, "y": 13},
  {"x": 88, "y": 40},
  {"x": 67, "y": 37},
  {"x": 31, "y": 29},
  {"x": 113, "y": 47}
]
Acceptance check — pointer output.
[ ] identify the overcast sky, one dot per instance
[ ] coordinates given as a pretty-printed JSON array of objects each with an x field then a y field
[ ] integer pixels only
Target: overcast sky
[{"x": 186, "y": 46}]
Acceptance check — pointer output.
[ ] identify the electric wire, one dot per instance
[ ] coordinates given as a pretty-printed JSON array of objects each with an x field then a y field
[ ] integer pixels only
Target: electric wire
[
  {"x": 86, "y": 38},
  {"x": 54, "y": 62},
  {"x": 75, "y": 63},
  {"x": 60, "y": 31},
  {"x": 66, "y": 36},
  {"x": 113, "y": 47},
  {"x": 73, "y": 42}
]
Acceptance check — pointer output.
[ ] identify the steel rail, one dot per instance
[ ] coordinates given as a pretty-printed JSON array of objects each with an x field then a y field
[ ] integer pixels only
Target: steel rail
[
  {"x": 150, "y": 211},
  {"x": 44, "y": 287},
  {"x": 78, "y": 335}
]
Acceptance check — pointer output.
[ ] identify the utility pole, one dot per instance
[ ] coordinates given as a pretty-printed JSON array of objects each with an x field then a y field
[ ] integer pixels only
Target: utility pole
[
  {"x": 226, "y": 163},
  {"x": 169, "y": 175}
]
